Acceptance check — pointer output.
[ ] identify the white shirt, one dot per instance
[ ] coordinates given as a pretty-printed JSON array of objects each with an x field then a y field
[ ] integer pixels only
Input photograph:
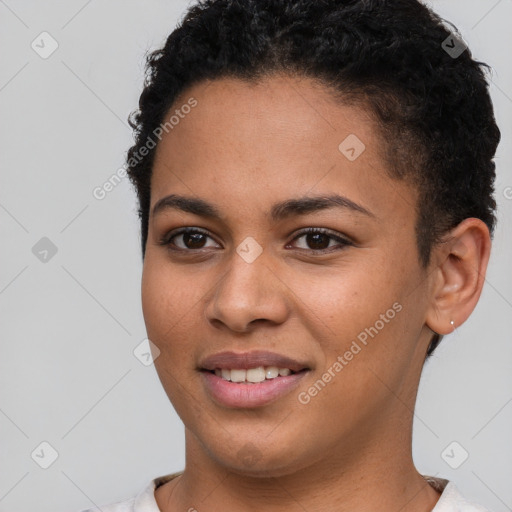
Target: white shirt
[{"x": 450, "y": 501}]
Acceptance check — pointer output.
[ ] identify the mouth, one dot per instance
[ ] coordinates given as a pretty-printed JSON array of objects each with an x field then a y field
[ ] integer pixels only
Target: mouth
[
  {"x": 252, "y": 375},
  {"x": 250, "y": 379}
]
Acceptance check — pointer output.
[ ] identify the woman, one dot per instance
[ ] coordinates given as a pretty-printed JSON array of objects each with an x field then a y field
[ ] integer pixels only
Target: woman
[{"x": 315, "y": 182}]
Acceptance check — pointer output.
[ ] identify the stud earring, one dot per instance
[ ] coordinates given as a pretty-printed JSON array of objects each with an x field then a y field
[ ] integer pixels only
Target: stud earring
[{"x": 453, "y": 324}]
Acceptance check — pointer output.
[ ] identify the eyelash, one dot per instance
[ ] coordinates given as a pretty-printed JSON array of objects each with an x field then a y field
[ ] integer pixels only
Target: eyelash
[{"x": 344, "y": 242}]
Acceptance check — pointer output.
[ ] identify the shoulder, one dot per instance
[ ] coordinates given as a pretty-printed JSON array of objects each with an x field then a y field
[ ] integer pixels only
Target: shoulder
[
  {"x": 451, "y": 500},
  {"x": 120, "y": 506},
  {"x": 144, "y": 501}
]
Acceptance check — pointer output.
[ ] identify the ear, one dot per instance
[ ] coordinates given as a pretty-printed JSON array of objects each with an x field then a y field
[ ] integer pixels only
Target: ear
[{"x": 460, "y": 262}]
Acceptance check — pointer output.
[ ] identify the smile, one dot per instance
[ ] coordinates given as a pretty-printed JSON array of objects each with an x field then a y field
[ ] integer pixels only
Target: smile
[
  {"x": 249, "y": 394},
  {"x": 252, "y": 375}
]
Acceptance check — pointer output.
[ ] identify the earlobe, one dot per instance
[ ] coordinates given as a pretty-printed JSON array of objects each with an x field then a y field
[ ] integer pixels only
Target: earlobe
[{"x": 461, "y": 262}]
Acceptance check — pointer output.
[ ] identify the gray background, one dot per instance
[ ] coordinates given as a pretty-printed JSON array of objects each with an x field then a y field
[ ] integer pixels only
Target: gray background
[{"x": 68, "y": 375}]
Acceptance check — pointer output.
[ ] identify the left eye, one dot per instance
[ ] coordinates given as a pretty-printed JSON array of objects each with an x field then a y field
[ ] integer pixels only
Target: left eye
[{"x": 319, "y": 239}]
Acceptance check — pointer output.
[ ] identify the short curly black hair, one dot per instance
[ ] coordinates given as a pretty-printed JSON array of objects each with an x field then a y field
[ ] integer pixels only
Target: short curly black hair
[{"x": 396, "y": 58}]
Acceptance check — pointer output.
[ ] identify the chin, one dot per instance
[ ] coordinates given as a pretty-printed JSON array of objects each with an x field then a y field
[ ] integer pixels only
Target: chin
[{"x": 258, "y": 459}]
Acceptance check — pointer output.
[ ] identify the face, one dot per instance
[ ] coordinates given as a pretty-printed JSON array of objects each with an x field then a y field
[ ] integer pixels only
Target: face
[{"x": 301, "y": 255}]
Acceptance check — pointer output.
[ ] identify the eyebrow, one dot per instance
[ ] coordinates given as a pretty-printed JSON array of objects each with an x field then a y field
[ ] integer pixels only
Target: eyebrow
[{"x": 279, "y": 211}]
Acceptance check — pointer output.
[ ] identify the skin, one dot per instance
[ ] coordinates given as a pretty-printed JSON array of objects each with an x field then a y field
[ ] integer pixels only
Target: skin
[{"x": 243, "y": 148}]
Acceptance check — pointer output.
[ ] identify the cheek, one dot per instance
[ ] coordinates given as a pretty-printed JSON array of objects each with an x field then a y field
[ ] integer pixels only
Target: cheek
[
  {"x": 167, "y": 304},
  {"x": 170, "y": 314},
  {"x": 358, "y": 321},
  {"x": 368, "y": 347},
  {"x": 340, "y": 303}
]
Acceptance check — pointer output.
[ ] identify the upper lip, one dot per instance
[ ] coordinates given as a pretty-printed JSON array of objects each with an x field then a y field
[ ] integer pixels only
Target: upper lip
[{"x": 253, "y": 359}]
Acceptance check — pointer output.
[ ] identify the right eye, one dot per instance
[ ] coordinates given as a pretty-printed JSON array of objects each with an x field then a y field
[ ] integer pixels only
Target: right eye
[{"x": 188, "y": 239}]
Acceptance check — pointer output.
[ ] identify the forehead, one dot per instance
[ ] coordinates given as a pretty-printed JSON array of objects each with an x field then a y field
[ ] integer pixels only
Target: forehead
[{"x": 253, "y": 144}]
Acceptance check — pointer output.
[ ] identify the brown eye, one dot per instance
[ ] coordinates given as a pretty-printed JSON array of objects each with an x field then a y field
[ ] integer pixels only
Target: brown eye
[
  {"x": 187, "y": 239},
  {"x": 319, "y": 239},
  {"x": 193, "y": 240}
]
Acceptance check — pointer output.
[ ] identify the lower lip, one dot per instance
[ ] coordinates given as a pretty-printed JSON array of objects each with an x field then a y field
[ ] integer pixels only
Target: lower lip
[{"x": 243, "y": 395}]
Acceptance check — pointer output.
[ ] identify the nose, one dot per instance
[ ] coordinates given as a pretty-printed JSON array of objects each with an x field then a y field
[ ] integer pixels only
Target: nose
[{"x": 247, "y": 294}]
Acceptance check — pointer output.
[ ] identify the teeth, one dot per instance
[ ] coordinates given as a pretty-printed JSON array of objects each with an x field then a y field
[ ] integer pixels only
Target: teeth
[
  {"x": 238, "y": 375},
  {"x": 252, "y": 375},
  {"x": 271, "y": 372},
  {"x": 256, "y": 374}
]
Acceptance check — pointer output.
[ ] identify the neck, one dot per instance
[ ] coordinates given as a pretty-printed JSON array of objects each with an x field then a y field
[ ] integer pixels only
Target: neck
[{"x": 378, "y": 476}]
